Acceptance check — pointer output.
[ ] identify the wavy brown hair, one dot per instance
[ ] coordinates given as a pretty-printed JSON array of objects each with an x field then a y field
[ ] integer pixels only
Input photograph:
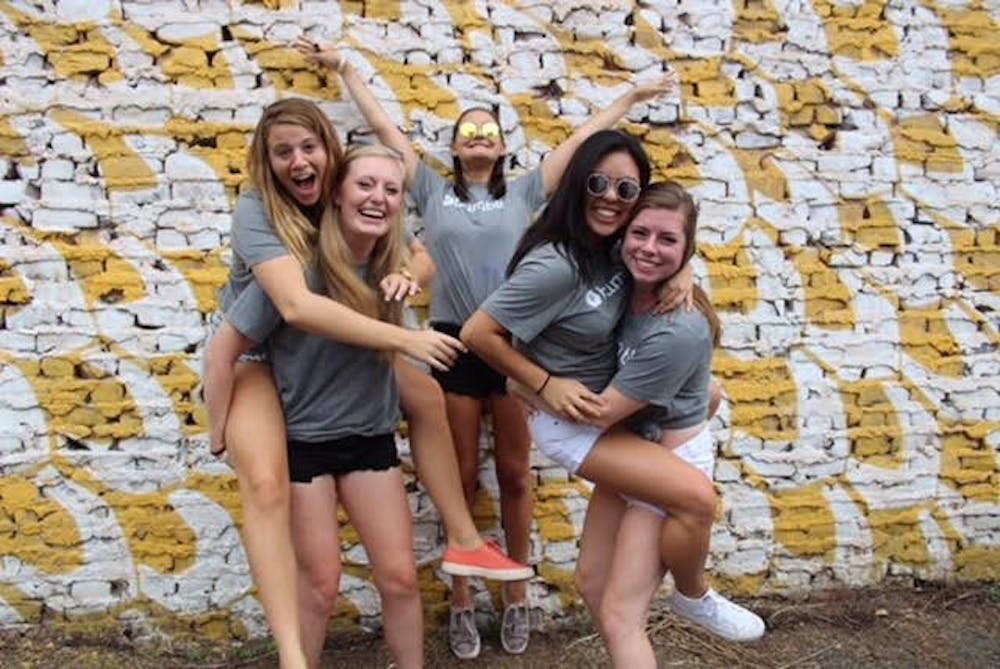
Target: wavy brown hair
[
  {"x": 338, "y": 265},
  {"x": 293, "y": 225},
  {"x": 671, "y": 196}
]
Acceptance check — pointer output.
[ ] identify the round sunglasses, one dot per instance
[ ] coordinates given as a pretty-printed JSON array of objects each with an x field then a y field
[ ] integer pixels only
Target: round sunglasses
[
  {"x": 470, "y": 130},
  {"x": 626, "y": 188}
]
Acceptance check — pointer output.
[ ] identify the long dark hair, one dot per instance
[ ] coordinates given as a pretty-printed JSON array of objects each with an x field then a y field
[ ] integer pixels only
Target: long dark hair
[
  {"x": 497, "y": 185},
  {"x": 563, "y": 222}
]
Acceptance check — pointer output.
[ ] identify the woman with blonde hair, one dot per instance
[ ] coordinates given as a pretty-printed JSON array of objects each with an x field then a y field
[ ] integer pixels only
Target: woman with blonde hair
[
  {"x": 292, "y": 160},
  {"x": 341, "y": 408}
]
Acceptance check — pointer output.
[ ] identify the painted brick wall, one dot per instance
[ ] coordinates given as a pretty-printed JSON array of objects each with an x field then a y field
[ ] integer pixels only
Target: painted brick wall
[{"x": 846, "y": 160}]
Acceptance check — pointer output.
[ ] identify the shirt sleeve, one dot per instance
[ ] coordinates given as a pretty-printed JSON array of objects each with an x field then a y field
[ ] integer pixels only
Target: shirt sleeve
[
  {"x": 661, "y": 364},
  {"x": 532, "y": 298},
  {"x": 428, "y": 185},
  {"x": 253, "y": 314},
  {"x": 253, "y": 238},
  {"x": 530, "y": 187}
]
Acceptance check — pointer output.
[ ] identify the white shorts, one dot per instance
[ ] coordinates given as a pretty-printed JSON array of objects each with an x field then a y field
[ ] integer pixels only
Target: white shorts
[
  {"x": 563, "y": 441},
  {"x": 698, "y": 451}
]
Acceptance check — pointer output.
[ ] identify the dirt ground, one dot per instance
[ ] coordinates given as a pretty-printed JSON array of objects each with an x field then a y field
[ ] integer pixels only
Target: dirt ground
[{"x": 920, "y": 626}]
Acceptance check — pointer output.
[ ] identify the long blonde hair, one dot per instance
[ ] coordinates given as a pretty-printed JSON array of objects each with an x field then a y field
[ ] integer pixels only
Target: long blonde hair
[
  {"x": 297, "y": 232},
  {"x": 671, "y": 196},
  {"x": 336, "y": 262}
]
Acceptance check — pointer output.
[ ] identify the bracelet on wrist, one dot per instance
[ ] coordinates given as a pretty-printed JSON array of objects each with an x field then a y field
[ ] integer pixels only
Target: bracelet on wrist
[{"x": 544, "y": 383}]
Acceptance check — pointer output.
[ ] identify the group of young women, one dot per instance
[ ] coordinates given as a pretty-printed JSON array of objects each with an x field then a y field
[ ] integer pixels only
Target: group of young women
[{"x": 305, "y": 381}]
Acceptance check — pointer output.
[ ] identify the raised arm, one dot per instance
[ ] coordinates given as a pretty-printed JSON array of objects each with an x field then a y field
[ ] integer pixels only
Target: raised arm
[
  {"x": 283, "y": 281},
  {"x": 556, "y": 161},
  {"x": 369, "y": 106}
]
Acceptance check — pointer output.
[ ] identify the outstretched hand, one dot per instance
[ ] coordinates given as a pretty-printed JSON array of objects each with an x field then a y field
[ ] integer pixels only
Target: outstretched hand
[
  {"x": 327, "y": 56},
  {"x": 653, "y": 89},
  {"x": 398, "y": 286},
  {"x": 433, "y": 348}
]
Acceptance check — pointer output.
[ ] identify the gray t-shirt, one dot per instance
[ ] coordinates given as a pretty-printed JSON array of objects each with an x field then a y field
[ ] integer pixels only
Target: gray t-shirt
[
  {"x": 665, "y": 361},
  {"x": 472, "y": 242},
  {"x": 560, "y": 323},
  {"x": 253, "y": 241},
  {"x": 328, "y": 390}
]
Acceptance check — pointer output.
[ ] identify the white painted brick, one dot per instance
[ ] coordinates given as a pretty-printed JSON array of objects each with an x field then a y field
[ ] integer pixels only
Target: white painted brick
[
  {"x": 11, "y": 192},
  {"x": 63, "y": 219}
]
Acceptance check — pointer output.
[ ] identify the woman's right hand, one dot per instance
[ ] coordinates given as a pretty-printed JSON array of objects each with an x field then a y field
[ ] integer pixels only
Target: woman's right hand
[
  {"x": 571, "y": 399},
  {"x": 432, "y": 347}
]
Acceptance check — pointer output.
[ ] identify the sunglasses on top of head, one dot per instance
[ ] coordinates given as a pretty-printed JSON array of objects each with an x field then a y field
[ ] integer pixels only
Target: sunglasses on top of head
[
  {"x": 470, "y": 130},
  {"x": 626, "y": 188}
]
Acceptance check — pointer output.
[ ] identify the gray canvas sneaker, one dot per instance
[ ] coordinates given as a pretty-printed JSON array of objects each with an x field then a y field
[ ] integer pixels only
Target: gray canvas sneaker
[
  {"x": 515, "y": 629},
  {"x": 463, "y": 637}
]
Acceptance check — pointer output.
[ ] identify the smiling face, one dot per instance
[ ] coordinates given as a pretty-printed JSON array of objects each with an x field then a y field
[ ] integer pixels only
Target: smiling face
[
  {"x": 607, "y": 213},
  {"x": 370, "y": 198},
  {"x": 481, "y": 148},
  {"x": 298, "y": 160},
  {"x": 654, "y": 246}
]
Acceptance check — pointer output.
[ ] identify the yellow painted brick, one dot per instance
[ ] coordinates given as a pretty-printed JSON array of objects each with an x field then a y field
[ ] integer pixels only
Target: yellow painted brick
[
  {"x": 79, "y": 62},
  {"x": 184, "y": 60},
  {"x": 554, "y": 530},
  {"x": 57, "y": 367}
]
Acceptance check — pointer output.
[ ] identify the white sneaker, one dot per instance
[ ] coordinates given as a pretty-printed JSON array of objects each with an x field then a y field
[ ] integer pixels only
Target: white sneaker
[{"x": 718, "y": 615}]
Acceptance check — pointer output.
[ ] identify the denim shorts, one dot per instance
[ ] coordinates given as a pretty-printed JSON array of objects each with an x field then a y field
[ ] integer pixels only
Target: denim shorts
[{"x": 562, "y": 441}]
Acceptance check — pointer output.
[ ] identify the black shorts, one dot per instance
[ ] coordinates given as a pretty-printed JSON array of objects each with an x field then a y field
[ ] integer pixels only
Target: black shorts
[
  {"x": 469, "y": 376},
  {"x": 336, "y": 457}
]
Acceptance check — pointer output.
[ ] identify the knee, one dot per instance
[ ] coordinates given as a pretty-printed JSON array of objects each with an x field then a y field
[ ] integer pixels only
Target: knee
[
  {"x": 397, "y": 581},
  {"x": 613, "y": 620},
  {"x": 703, "y": 502},
  {"x": 588, "y": 582},
  {"x": 265, "y": 489},
  {"x": 323, "y": 583},
  {"x": 513, "y": 475}
]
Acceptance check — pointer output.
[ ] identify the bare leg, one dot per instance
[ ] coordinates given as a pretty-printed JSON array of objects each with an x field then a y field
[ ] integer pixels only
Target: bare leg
[
  {"x": 512, "y": 453},
  {"x": 387, "y": 534},
  {"x": 317, "y": 546},
  {"x": 255, "y": 437},
  {"x": 597, "y": 545},
  {"x": 464, "y": 418},
  {"x": 635, "y": 573},
  {"x": 433, "y": 453},
  {"x": 623, "y": 462}
]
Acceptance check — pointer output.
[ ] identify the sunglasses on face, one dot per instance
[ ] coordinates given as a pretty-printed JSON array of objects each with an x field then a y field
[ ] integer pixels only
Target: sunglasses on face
[
  {"x": 470, "y": 130},
  {"x": 626, "y": 188}
]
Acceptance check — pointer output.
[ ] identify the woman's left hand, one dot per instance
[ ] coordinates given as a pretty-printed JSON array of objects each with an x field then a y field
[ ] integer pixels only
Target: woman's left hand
[
  {"x": 677, "y": 291},
  {"x": 398, "y": 286},
  {"x": 654, "y": 89}
]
